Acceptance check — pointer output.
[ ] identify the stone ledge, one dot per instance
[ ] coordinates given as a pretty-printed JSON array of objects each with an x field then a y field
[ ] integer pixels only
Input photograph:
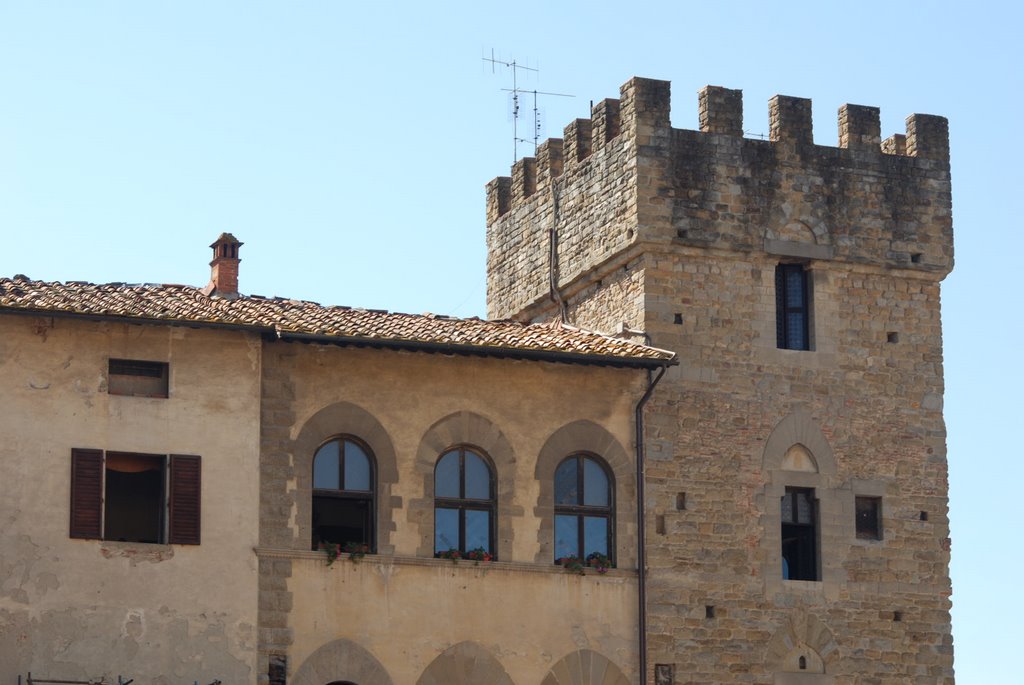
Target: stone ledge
[{"x": 396, "y": 560}]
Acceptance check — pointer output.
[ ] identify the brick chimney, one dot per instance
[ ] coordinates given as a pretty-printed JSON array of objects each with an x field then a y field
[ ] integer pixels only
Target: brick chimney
[{"x": 224, "y": 267}]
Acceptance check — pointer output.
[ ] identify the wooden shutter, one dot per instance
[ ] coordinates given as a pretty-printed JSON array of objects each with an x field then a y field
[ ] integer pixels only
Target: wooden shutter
[
  {"x": 184, "y": 499},
  {"x": 86, "y": 494}
]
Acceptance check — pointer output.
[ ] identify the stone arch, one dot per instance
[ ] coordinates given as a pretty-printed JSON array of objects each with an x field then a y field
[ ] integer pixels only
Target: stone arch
[
  {"x": 803, "y": 644},
  {"x": 795, "y": 222},
  {"x": 340, "y": 661},
  {"x": 799, "y": 458},
  {"x": 798, "y": 428},
  {"x": 797, "y": 455},
  {"x": 474, "y": 430},
  {"x": 466, "y": 663},
  {"x": 587, "y": 436},
  {"x": 351, "y": 419},
  {"x": 585, "y": 667},
  {"x": 797, "y": 231}
]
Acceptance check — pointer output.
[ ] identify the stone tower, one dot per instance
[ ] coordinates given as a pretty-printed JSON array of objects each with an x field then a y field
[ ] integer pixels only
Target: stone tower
[{"x": 796, "y": 476}]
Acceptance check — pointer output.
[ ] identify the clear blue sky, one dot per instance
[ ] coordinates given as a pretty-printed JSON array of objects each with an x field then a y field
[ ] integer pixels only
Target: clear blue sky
[{"x": 347, "y": 144}]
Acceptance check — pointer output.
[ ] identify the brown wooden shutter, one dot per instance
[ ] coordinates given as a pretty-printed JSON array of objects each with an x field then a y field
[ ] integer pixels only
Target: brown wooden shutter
[
  {"x": 185, "y": 496},
  {"x": 86, "y": 493}
]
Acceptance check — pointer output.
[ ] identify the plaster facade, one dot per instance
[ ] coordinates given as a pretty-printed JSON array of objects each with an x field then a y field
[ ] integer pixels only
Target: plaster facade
[
  {"x": 402, "y": 606},
  {"x": 79, "y": 609},
  {"x": 677, "y": 235}
]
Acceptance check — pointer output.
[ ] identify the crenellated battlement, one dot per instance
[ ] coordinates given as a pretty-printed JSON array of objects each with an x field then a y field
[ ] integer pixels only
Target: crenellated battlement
[
  {"x": 721, "y": 113},
  {"x": 625, "y": 177}
]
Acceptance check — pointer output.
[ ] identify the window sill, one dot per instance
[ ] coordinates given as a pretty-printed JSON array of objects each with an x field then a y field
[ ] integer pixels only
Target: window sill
[
  {"x": 463, "y": 564},
  {"x": 803, "y": 585},
  {"x": 136, "y": 551}
]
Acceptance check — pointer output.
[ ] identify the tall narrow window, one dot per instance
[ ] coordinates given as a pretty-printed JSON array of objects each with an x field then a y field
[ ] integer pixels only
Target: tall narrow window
[
  {"x": 343, "y": 493},
  {"x": 800, "y": 535},
  {"x": 584, "y": 510},
  {"x": 792, "y": 307},
  {"x": 463, "y": 502}
]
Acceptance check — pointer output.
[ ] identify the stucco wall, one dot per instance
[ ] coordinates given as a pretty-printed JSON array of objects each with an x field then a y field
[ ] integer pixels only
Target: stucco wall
[
  {"x": 403, "y": 606},
  {"x": 78, "y": 609}
]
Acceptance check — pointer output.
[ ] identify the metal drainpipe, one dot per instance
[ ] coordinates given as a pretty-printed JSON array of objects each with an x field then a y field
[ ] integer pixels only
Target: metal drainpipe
[{"x": 640, "y": 534}]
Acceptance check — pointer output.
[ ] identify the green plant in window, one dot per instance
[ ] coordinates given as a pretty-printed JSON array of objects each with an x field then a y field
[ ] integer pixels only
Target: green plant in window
[
  {"x": 478, "y": 554},
  {"x": 572, "y": 564},
  {"x": 334, "y": 551},
  {"x": 355, "y": 550},
  {"x": 453, "y": 554},
  {"x": 599, "y": 562}
]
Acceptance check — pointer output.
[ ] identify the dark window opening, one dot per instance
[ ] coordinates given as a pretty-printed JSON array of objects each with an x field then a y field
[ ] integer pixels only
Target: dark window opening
[
  {"x": 135, "y": 497},
  {"x": 681, "y": 501},
  {"x": 792, "y": 307},
  {"x": 869, "y": 518},
  {"x": 803, "y": 663},
  {"x": 137, "y": 378},
  {"x": 664, "y": 674},
  {"x": 278, "y": 669},
  {"x": 464, "y": 502},
  {"x": 134, "y": 504},
  {"x": 709, "y": 611},
  {"x": 343, "y": 493},
  {"x": 585, "y": 508},
  {"x": 799, "y": 535}
]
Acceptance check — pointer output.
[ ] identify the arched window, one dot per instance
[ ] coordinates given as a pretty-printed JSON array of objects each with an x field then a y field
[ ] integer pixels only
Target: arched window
[
  {"x": 584, "y": 508},
  {"x": 463, "y": 502},
  {"x": 344, "y": 479}
]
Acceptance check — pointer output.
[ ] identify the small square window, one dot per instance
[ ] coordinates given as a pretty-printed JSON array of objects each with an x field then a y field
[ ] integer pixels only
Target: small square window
[
  {"x": 869, "y": 518},
  {"x": 137, "y": 378}
]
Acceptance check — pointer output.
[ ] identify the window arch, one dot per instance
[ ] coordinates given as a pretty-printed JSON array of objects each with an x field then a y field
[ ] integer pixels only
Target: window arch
[
  {"x": 344, "y": 489},
  {"x": 584, "y": 508},
  {"x": 464, "y": 502}
]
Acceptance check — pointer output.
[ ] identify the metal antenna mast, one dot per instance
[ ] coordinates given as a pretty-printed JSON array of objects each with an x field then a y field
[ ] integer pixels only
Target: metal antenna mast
[{"x": 515, "y": 90}]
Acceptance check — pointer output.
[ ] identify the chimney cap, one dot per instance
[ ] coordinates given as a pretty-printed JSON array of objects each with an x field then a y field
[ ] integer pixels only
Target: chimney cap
[{"x": 226, "y": 238}]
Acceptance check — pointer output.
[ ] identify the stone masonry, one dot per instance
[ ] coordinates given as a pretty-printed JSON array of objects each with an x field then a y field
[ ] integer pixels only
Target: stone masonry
[{"x": 628, "y": 224}]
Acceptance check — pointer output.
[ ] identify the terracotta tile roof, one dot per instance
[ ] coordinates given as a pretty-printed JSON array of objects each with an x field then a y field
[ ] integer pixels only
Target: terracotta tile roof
[{"x": 180, "y": 304}]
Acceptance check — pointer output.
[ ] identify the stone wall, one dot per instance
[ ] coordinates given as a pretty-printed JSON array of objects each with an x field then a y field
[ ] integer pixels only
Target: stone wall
[{"x": 712, "y": 215}]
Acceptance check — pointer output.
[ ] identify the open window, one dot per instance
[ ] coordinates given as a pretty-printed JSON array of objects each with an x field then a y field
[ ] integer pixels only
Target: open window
[
  {"x": 868, "y": 512},
  {"x": 129, "y": 497},
  {"x": 800, "y": 535},
  {"x": 344, "y": 486}
]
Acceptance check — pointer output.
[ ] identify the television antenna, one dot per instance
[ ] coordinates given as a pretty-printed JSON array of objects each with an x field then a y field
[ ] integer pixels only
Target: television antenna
[{"x": 516, "y": 92}]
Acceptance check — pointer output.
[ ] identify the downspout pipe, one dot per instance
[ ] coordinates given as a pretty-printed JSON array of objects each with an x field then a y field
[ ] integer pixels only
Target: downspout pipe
[{"x": 641, "y": 536}]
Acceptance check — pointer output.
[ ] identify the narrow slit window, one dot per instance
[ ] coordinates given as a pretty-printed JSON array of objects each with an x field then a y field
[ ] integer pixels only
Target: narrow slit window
[{"x": 792, "y": 307}]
